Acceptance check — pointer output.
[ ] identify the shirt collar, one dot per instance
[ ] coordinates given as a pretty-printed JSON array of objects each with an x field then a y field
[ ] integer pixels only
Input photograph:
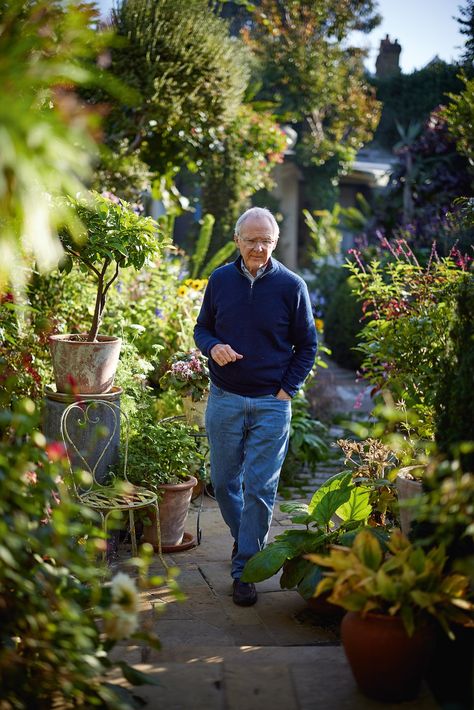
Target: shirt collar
[{"x": 250, "y": 276}]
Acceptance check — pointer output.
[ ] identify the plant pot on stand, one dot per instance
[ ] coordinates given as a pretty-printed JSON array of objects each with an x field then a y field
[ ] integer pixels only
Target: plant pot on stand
[{"x": 83, "y": 366}]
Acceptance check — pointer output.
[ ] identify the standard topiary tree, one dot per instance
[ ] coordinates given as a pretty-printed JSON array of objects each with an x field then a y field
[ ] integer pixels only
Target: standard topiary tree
[{"x": 191, "y": 76}]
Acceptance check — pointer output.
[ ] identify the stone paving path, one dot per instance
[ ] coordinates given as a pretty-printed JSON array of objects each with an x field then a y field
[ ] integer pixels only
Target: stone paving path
[{"x": 276, "y": 655}]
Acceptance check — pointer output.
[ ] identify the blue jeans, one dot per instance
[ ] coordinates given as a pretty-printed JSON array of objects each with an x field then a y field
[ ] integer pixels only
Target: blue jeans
[{"x": 248, "y": 438}]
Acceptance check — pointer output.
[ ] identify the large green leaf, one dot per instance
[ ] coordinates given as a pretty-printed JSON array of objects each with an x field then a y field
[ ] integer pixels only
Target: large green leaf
[
  {"x": 328, "y": 499},
  {"x": 357, "y": 507},
  {"x": 293, "y": 571},
  {"x": 368, "y": 550},
  {"x": 267, "y": 562},
  {"x": 342, "y": 479},
  {"x": 310, "y": 581}
]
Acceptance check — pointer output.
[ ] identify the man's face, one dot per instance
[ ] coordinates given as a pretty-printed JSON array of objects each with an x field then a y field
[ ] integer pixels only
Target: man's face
[{"x": 256, "y": 242}]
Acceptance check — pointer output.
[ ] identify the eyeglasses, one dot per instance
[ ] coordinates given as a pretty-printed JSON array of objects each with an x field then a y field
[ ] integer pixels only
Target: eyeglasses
[{"x": 255, "y": 242}]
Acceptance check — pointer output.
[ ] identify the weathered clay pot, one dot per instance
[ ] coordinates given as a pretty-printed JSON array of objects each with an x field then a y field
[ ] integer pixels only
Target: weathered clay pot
[
  {"x": 387, "y": 664},
  {"x": 195, "y": 412},
  {"x": 174, "y": 500},
  {"x": 85, "y": 367},
  {"x": 407, "y": 489}
]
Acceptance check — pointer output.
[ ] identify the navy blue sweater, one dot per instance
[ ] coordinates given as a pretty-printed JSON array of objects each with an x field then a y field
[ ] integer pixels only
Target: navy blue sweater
[{"x": 269, "y": 322}]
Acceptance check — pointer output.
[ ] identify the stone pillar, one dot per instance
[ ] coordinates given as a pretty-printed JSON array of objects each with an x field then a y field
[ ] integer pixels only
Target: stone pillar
[
  {"x": 286, "y": 190},
  {"x": 89, "y": 438}
]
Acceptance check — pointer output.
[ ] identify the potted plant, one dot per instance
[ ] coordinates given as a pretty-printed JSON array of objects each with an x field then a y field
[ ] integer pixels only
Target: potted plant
[
  {"x": 160, "y": 456},
  {"x": 110, "y": 236},
  {"x": 444, "y": 515},
  {"x": 188, "y": 374},
  {"x": 340, "y": 497},
  {"x": 392, "y": 602}
]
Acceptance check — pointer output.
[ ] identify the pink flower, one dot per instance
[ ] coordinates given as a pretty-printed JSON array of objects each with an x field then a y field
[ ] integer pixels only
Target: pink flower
[{"x": 56, "y": 451}]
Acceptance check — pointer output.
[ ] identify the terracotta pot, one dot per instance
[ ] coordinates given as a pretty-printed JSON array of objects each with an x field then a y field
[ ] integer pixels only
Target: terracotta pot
[
  {"x": 197, "y": 490},
  {"x": 387, "y": 663},
  {"x": 407, "y": 488},
  {"x": 87, "y": 367},
  {"x": 174, "y": 500},
  {"x": 195, "y": 412}
]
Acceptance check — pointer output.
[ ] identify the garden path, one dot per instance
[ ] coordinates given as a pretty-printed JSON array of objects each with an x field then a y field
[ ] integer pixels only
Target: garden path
[{"x": 276, "y": 655}]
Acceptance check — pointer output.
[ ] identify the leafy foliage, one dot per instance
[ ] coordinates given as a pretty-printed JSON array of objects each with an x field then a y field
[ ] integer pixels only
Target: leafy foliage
[
  {"x": 160, "y": 452},
  {"x": 59, "y": 615},
  {"x": 239, "y": 164},
  {"x": 454, "y": 406},
  {"x": 431, "y": 174},
  {"x": 46, "y": 135},
  {"x": 373, "y": 464},
  {"x": 191, "y": 77},
  {"x": 410, "y": 98},
  {"x": 342, "y": 325},
  {"x": 407, "y": 582},
  {"x": 458, "y": 114},
  {"x": 315, "y": 82},
  {"x": 445, "y": 514},
  {"x": 112, "y": 235},
  {"x": 188, "y": 374},
  {"x": 409, "y": 310},
  {"x": 336, "y": 497}
]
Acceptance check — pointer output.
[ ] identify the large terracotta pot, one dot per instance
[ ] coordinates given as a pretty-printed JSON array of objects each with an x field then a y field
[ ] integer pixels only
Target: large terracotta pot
[
  {"x": 195, "y": 412},
  {"x": 174, "y": 500},
  {"x": 88, "y": 368},
  {"x": 387, "y": 663}
]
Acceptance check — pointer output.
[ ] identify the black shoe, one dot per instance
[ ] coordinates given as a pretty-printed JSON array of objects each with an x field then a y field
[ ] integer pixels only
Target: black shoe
[{"x": 244, "y": 593}]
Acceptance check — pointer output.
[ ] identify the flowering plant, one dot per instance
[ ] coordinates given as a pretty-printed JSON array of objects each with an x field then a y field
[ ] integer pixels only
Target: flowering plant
[{"x": 188, "y": 374}]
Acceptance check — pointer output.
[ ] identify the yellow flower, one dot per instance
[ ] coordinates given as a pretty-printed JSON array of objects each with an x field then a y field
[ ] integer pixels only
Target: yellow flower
[
  {"x": 188, "y": 282},
  {"x": 182, "y": 290},
  {"x": 319, "y": 325},
  {"x": 197, "y": 284}
]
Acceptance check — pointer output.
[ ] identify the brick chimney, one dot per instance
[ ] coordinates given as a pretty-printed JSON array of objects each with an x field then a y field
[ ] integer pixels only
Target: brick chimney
[{"x": 387, "y": 61}]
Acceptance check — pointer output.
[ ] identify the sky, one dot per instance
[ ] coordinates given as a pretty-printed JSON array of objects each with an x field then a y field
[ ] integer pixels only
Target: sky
[{"x": 424, "y": 28}]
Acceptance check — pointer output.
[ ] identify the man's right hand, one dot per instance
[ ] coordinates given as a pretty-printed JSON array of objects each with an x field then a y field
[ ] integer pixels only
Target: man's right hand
[{"x": 223, "y": 354}]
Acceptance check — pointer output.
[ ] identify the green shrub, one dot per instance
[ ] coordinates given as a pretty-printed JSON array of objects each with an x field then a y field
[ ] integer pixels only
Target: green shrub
[
  {"x": 454, "y": 419},
  {"x": 59, "y": 616},
  {"x": 342, "y": 325}
]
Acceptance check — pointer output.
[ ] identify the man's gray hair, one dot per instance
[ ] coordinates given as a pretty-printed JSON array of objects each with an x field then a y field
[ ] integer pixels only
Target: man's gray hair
[{"x": 257, "y": 212}]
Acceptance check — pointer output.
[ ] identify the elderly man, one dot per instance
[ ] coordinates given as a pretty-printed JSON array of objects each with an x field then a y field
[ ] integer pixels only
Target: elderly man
[{"x": 257, "y": 329}]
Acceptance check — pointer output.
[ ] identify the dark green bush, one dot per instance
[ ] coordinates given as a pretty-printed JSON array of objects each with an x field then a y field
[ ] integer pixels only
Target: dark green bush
[
  {"x": 454, "y": 419},
  {"x": 341, "y": 326}
]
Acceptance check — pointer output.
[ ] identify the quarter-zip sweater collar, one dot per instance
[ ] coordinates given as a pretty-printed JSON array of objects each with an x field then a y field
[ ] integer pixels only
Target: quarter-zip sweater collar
[{"x": 269, "y": 321}]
